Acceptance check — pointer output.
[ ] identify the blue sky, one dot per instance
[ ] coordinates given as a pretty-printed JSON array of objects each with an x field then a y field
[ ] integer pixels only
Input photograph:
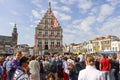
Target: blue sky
[{"x": 81, "y": 20}]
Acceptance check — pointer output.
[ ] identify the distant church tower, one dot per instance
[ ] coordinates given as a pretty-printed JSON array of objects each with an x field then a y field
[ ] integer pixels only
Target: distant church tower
[
  {"x": 48, "y": 33},
  {"x": 14, "y": 35}
]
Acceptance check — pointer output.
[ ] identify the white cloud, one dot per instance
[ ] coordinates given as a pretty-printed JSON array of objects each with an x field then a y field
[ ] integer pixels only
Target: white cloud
[
  {"x": 111, "y": 26},
  {"x": 95, "y": 10},
  {"x": 69, "y": 38},
  {"x": 76, "y": 21},
  {"x": 32, "y": 26},
  {"x": 114, "y": 2},
  {"x": 36, "y": 14},
  {"x": 105, "y": 10},
  {"x": 62, "y": 8},
  {"x": 85, "y": 5},
  {"x": 36, "y": 21},
  {"x": 68, "y": 30},
  {"x": 79, "y": 30},
  {"x": 86, "y": 23},
  {"x": 54, "y": 3},
  {"x": 68, "y": 2},
  {"x": 65, "y": 8},
  {"x": 37, "y": 3},
  {"x": 77, "y": 36},
  {"x": 12, "y": 23},
  {"x": 62, "y": 16}
]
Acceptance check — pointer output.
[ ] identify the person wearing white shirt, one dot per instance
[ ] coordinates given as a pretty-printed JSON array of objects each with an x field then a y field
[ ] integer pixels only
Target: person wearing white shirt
[{"x": 90, "y": 72}]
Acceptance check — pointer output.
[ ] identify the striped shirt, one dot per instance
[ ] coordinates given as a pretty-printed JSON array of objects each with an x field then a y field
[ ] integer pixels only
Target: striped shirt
[{"x": 20, "y": 75}]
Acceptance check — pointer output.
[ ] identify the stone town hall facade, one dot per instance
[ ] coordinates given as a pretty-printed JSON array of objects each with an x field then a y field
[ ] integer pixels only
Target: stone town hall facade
[{"x": 48, "y": 33}]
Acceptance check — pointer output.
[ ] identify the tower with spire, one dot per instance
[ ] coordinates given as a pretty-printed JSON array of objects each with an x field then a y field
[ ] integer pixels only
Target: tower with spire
[
  {"x": 14, "y": 35},
  {"x": 48, "y": 33},
  {"x": 10, "y": 41}
]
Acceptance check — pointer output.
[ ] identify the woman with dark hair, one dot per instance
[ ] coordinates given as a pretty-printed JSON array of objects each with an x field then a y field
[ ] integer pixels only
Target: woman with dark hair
[{"x": 22, "y": 72}]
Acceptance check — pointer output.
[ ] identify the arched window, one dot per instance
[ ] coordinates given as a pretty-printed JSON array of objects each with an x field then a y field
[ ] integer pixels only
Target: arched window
[{"x": 58, "y": 44}]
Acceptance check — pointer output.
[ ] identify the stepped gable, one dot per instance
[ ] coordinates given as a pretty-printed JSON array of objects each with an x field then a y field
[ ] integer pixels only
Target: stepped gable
[{"x": 49, "y": 18}]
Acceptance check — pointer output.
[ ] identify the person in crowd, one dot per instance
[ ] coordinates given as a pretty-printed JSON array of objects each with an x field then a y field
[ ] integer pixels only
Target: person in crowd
[
  {"x": 34, "y": 67},
  {"x": 105, "y": 66},
  {"x": 118, "y": 60},
  {"x": 60, "y": 69},
  {"x": 15, "y": 63},
  {"x": 78, "y": 66},
  {"x": 72, "y": 72},
  {"x": 50, "y": 76},
  {"x": 21, "y": 73},
  {"x": 97, "y": 62},
  {"x": 114, "y": 68},
  {"x": 1, "y": 68},
  {"x": 82, "y": 60},
  {"x": 46, "y": 65},
  {"x": 8, "y": 68},
  {"x": 4, "y": 67},
  {"x": 65, "y": 65},
  {"x": 90, "y": 72},
  {"x": 42, "y": 75},
  {"x": 53, "y": 66}
]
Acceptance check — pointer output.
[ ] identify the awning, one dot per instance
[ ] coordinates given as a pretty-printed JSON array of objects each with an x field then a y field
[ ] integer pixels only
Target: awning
[{"x": 107, "y": 52}]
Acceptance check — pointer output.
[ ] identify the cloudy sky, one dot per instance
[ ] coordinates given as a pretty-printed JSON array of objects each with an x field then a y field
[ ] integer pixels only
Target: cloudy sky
[{"x": 81, "y": 20}]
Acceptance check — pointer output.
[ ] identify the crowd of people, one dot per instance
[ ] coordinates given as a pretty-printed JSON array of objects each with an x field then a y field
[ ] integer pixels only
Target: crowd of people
[{"x": 60, "y": 67}]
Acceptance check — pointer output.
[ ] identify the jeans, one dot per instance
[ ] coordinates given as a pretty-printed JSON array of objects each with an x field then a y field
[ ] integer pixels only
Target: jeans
[
  {"x": 9, "y": 75},
  {"x": 112, "y": 72},
  {"x": 107, "y": 75}
]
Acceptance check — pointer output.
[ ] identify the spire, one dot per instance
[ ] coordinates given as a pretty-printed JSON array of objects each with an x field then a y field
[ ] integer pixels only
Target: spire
[
  {"x": 15, "y": 25},
  {"x": 49, "y": 7},
  {"x": 14, "y": 35},
  {"x": 15, "y": 28}
]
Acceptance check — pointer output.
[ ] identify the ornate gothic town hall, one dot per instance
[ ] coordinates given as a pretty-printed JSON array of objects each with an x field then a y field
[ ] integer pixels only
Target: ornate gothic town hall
[{"x": 48, "y": 33}]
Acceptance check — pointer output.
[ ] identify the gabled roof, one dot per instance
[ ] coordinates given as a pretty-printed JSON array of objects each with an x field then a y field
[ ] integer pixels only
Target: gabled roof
[{"x": 50, "y": 15}]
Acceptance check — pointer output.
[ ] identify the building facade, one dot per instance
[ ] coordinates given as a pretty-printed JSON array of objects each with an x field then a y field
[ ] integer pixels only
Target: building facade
[
  {"x": 115, "y": 45},
  {"x": 103, "y": 43},
  {"x": 99, "y": 44},
  {"x": 89, "y": 47},
  {"x": 8, "y": 43},
  {"x": 48, "y": 33}
]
